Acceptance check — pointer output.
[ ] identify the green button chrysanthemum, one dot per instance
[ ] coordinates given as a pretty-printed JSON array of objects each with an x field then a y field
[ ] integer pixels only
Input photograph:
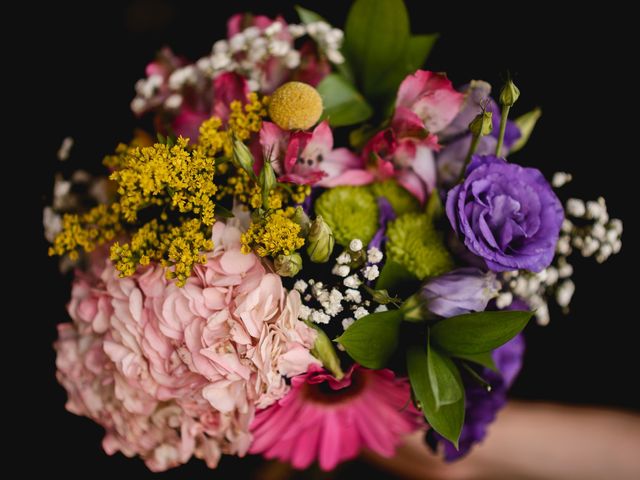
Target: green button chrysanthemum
[
  {"x": 414, "y": 243},
  {"x": 351, "y": 212}
]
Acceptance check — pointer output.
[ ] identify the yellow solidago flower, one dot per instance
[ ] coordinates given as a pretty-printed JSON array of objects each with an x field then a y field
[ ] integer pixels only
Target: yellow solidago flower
[{"x": 275, "y": 234}]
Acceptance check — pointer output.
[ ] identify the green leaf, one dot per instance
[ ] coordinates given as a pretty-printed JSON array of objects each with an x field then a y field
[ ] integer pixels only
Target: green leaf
[
  {"x": 376, "y": 36},
  {"x": 446, "y": 420},
  {"x": 526, "y": 123},
  {"x": 478, "y": 332},
  {"x": 444, "y": 378},
  {"x": 307, "y": 16},
  {"x": 373, "y": 339},
  {"x": 393, "y": 276},
  {"x": 413, "y": 58},
  {"x": 485, "y": 359},
  {"x": 343, "y": 104}
]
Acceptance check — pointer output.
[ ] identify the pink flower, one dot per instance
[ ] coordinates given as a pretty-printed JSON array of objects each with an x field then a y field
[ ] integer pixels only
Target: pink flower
[
  {"x": 426, "y": 100},
  {"x": 410, "y": 160},
  {"x": 174, "y": 372},
  {"x": 333, "y": 420},
  {"x": 309, "y": 157}
]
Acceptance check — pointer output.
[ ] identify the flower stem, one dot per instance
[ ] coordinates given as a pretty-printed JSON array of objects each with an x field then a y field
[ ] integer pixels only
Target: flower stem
[
  {"x": 503, "y": 128},
  {"x": 472, "y": 149}
]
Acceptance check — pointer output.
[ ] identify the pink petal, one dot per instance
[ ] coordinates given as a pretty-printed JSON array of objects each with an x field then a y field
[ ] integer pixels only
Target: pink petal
[
  {"x": 406, "y": 123},
  {"x": 187, "y": 123},
  {"x": 235, "y": 262},
  {"x": 411, "y": 182},
  {"x": 228, "y": 87}
]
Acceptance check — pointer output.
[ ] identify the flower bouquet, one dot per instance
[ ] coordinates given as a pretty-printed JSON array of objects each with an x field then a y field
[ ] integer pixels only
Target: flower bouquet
[{"x": 322, "y": 248}]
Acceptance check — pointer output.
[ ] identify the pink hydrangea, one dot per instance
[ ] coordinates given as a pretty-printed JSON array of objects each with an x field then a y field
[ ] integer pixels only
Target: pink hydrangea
[
  {"x": 332, "y": 420},
  {"x": 174, "y": 372}
]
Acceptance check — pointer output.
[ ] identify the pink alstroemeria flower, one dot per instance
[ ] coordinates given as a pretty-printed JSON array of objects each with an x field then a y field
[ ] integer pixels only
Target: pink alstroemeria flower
[
  {"x": 410, "y": 160},
  {"x": 426, "y": 100},
  {"x": 308, "y": 158}
]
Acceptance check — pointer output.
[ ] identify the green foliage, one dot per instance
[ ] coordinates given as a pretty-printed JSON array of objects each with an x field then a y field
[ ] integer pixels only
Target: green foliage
[
  {"x": 343, "y": 104},
  {"x": 400, "y": 199},
  {"x": 372, "y": 340}
]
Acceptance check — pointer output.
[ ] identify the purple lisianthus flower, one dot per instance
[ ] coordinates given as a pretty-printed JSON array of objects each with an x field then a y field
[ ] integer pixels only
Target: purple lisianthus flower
[
  {"x": 460, "y": 291},
  {"x": 506, "y": 214}
]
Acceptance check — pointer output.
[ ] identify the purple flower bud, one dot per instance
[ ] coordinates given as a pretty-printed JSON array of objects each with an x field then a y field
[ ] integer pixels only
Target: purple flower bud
[{"x": 460, "y": 291}]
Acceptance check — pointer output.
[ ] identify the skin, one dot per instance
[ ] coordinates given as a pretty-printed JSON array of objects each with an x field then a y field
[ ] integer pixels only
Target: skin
[{"x": 535, "y": 441}]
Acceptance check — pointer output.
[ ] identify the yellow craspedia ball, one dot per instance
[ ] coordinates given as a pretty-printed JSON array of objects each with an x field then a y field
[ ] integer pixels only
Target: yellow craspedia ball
[{"x": 295, "y": 106}]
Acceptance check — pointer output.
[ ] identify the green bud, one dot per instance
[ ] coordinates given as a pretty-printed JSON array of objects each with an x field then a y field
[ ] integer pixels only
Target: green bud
[
  {"x": 242, "y": 158},
  {"x": 381, "y": 296},
  {"x": 481, "y": 125},
  {"x": 509, "y": 94},
  {"x": 267, "y": 182},
  {"x": 324, "y": 351},
  {"x": 288, "y": 265},
  {"x": 414, "y": 309},
  {"x": 302, "y": 219},
  {"x": 320, "y": 241}
]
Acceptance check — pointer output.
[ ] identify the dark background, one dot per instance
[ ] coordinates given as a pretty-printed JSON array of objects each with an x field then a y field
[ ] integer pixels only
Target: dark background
[{"x": 79, "y": 78}]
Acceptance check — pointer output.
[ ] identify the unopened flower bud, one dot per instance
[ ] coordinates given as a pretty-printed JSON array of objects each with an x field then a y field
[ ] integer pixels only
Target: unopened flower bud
[
  {"x": 320, "y": 241},
  {"x": 509, "y": 94},
  {"x": 482, "y": 124},
  {"x": 288, "y": 265},
  {"x": 302, "y": 219},
  {"x": 242, "y": 158},
  {"x": 267, "y": 182}
]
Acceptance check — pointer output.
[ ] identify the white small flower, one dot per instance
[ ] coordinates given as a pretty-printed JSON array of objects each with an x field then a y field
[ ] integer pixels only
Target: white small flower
[
  {"x": 565, "y": 269},
  {"x": 65, "y": 149},
  {"x": 560, "y": 179},
  {"x": 292, "y": 59},
  {"x": 335, "y": 57},
  {"x": 360, "y": 312},
  {"x": 353, "y": 295},
  {"x": 297, "y": 31},
  {"x": 251, "y": 32},
  {"x": 204, "y": 64},
  {"x": 308, "y": 297},
  {"x": 599, "y": 232},
  {"x": 219, "y": 61},
  {"x": 552, "y": 276},
  {"x": 564, "y": 245},
  {"x": 275, "y": 27},
  {"x": 341, "y": 270},
  {"x": 335, "y": 295},
  {"x": 355, "y": 245},
  {"x": 606, "y": 250},
  {"x": 221, "y": 46},
  {"x": 344, "y": 257},
  {"x": 596, "y": 210},
  {"x": 237, "y": 42},
  {"x": 567, "y": 225},
  {"x": 138, "y": 105},
  {"x": 52, "y": 223},
  {"x": 279, "y": 48},
  {"x": 565, "y": 293},
  {"x": 320, "y": 317},
  {"x": 334, "y": 36},
  {"x": 576, "y": 207},
  {"x": 542, "y": 314},
  {"x": 332, "y": 308},
  {"x": 374, "y": 255},
  {"x": 617, "y": 246},
  {"x": 300, "y": 286},
  {"x": 352, "y": 281},
  {"x": 347, "y": 322},
  {"x": 173, "y": 101},
  {"x": 381, "y": 308},
  {"x": 616, "y": 225},
  {"x": 371, "y": 272},
  {"x": 253, "y": 85},
  {"x": 304, "y": 313},
  {"x": 504, "y": 300}
]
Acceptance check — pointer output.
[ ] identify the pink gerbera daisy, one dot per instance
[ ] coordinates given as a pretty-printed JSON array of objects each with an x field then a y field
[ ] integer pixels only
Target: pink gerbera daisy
[{"x": 332, "y": 420}]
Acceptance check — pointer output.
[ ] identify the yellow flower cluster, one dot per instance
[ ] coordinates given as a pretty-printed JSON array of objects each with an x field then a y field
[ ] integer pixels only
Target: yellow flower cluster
[
  {"x": 245, "y": 190},
  {"x": 179, "y": 248},
  {"x": 167, "y": 176},
  {"x": 274, "y": 234},
  {"x": 86, "y": 231},
  {"x": 243, "y": 121}
]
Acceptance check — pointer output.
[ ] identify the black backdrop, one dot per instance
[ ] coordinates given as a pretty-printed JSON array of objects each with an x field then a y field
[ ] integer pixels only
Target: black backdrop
[{"x": 80, "y": 74}]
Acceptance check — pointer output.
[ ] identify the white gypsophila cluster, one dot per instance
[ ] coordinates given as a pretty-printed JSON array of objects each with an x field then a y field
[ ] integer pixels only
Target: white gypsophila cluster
[
  {"x": 588, "y": 229},
  {"x": 345, "y": 295},
  {"x": 244, "y": 53}
]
